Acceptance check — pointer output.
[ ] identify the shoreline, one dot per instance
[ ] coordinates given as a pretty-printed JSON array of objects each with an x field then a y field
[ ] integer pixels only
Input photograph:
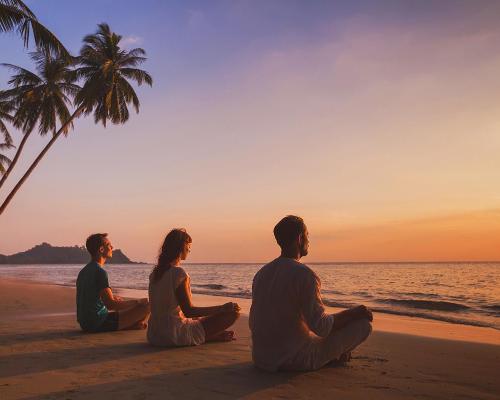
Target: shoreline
[
  {"x": 463, "y": 306},
  {"x": 383, "y": 321},
  {"x": 44, "y": 354}
]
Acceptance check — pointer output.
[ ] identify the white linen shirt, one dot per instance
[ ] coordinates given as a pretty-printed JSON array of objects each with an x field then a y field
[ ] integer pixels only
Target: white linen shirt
[{"x": 286, "y": 312}]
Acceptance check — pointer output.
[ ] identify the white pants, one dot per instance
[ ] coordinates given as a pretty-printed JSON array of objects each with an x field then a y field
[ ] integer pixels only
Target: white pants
[{"x": 320, "y": 351}]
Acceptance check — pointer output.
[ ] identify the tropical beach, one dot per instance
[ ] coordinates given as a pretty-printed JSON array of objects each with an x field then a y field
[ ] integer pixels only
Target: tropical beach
[
  {"x": 249, "y": 199},
  {"x": 45, "y": 355}
]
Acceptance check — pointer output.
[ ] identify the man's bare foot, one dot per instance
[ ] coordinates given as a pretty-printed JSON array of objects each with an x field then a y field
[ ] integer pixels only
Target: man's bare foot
[
  {"x": 225, "y": 336},
  {"x": 141, "y": 325},
  {"x": 346, "y": 357}
]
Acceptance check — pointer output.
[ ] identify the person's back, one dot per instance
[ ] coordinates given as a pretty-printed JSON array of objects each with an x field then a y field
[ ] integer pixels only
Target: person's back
[
  {"x": 175, "y": 320},
  {"x": 290, "y": 329},
  {"x": 167, "y": 324},
  {"x": 285, "y": 303},
  {"x": 90, "y": 309}
]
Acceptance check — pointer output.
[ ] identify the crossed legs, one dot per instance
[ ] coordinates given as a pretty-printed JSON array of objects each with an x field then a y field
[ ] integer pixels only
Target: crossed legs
[
  {"x": 135, "y": 317},
  {"x": 336, "y": 346},
  {"x": 215, "y": 326}
]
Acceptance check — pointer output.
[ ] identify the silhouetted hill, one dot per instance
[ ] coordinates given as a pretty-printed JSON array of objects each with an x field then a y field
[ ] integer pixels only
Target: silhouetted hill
[{"x": 46, "y": 254}]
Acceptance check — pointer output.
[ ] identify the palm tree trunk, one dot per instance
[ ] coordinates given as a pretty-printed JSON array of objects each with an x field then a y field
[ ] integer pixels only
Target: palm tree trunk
[
  {"x": 14, "y": 161},
  {"x": 38, "y": 159}
]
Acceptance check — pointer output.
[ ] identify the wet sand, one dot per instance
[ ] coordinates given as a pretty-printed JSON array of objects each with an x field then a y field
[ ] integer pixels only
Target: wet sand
[{"x": 44, "y": 355}]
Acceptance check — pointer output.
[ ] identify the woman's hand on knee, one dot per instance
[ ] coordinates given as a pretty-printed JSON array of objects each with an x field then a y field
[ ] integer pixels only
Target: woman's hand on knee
[
  {"x": 363, "y": 312},
  {"x": 231, "y": 307}
]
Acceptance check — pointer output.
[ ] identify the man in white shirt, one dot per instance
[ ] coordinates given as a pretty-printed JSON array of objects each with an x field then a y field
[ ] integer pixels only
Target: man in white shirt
[{"x": 290, "y": 329}]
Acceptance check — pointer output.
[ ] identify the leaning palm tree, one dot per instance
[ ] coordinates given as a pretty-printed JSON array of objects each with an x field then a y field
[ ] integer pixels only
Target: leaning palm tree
[
  {"x": 105, "y": 70},
  {"x": 39, "y": 98},
  {"x": 16, "y": 16},
  {"x": 5, "y": 109}
]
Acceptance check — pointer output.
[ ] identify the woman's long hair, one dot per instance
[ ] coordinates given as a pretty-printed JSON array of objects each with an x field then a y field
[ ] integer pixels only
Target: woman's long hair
[{"x": 170, "y": 250}]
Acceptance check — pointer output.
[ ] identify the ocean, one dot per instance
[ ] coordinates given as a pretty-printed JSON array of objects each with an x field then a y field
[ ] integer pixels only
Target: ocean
[{"x": 463, "y": 293}]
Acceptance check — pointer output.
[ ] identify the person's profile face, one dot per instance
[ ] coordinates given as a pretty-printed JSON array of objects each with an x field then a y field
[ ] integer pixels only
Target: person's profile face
[
  {"x": 186, "y": 250},
  {"x": 304, "y": 243},
  {"x": 106, "y": 249}
]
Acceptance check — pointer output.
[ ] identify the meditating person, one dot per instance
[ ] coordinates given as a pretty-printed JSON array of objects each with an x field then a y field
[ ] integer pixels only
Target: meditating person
[
  {"x": 290, "y": 328},
  {"x": 175, "y": 321},
  {"x": 97, "y": 308}
]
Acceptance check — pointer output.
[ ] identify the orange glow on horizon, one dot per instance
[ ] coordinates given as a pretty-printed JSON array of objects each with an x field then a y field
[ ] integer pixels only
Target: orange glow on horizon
[{"x": 471, "y": 236}]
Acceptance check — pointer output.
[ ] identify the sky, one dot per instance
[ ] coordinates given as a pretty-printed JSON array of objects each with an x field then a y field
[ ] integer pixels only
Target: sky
[{"x": 376, "y": 121}]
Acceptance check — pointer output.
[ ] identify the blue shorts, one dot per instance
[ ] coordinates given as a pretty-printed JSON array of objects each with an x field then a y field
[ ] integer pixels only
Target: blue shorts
[{"x": 110, "y": 324}]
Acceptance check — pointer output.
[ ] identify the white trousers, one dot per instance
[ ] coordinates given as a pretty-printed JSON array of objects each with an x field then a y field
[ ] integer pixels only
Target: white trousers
[{"x": 320, "y": 351}]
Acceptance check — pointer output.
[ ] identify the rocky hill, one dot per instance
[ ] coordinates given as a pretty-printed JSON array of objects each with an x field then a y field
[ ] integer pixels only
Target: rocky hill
[{"x": 46, "y": 254}]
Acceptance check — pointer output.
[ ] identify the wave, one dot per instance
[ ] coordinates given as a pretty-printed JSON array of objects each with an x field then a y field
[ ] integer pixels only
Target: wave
[
  {"x": 245, "y": 294},
  {"x": 213, "y": 286},
  {"x": 363, "y": 294},
  {"x": 418, "y": 294},
  {"x": 493, "y": 310},
  {"x": 241, "y": 294},
  {"x": 427, "y": 304},
  {"x": 494, "y": 307},
  {"x": 339, "y": 304},
  {"x": 330, "y": 291},
  {"x": 452, "y": 320}
]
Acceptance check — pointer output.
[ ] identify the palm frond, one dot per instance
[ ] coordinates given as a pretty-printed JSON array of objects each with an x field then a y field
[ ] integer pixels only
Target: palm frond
[
  {"x": 10, "y": 16},
  {"x": 6, "y": 135},
  {"x": 46, "y": 40},
  {"x": 4, "y": 162},
  {"x": 41, "y": 99},
  {"x": 15, "y": 15},
  {"x": 22, "y": 76},
  {"x": 18, "y": 5},
  {"x": 5, "y": 108},
  {"x": 138, "y": 75}
]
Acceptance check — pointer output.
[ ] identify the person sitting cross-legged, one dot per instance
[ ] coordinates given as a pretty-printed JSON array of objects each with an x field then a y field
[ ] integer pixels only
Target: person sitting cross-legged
[
  {"x": 175, "y": 320},
  {"x": 98, "y": 309},
  {"x": 290, "y": 328}
]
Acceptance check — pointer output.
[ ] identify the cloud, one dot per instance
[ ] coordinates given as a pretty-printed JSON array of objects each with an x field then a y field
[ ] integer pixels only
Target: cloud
[{"x": 130, "y": 41}]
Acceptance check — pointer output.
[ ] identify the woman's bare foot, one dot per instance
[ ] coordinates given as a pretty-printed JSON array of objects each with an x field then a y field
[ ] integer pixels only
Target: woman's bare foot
[{"x": 225, "y": 336}]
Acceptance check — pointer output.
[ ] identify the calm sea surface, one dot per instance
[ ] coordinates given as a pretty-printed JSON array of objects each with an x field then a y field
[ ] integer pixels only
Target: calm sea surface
[{"x": 466, "y": 293}]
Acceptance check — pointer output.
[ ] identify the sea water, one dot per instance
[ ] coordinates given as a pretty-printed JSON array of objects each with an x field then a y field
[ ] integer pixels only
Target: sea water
[{"x": 465, "y": 293}]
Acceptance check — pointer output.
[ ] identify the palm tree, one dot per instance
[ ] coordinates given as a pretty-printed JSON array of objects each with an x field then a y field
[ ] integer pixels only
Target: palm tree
[
  {"x": 39, "y": 98},
  {"x": 15, "y": 15},
  {"x": 105, "y": 70},
  {"x": 5, "y": 109}
]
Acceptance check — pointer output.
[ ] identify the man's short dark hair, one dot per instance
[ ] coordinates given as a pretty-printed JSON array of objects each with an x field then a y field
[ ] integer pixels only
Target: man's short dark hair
[
  {"x": 288, "y": 230},
  {"x": 94, "y": 242}
]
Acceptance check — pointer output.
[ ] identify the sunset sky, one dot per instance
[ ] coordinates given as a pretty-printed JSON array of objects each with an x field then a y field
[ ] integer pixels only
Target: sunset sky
[{"x": 376, "y": 121}]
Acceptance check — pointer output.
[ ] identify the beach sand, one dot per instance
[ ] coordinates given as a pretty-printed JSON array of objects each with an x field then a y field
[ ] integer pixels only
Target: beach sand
[{"x": 44, "y": 355}]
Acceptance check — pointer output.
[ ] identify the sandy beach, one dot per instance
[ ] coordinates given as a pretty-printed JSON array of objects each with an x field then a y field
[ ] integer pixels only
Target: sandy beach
[{"x": 44, "y": 355}]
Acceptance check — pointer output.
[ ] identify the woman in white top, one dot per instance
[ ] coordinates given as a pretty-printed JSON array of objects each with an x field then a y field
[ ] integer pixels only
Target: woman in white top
[{"x": 174, "y": 320}]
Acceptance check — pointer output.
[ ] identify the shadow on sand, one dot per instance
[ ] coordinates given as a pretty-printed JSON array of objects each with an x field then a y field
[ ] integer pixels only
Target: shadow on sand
[{"x": 229, "y": 381}]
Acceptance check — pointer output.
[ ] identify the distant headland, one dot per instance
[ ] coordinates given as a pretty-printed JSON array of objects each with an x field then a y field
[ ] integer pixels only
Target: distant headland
[{"x": 47, "y": 254}]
